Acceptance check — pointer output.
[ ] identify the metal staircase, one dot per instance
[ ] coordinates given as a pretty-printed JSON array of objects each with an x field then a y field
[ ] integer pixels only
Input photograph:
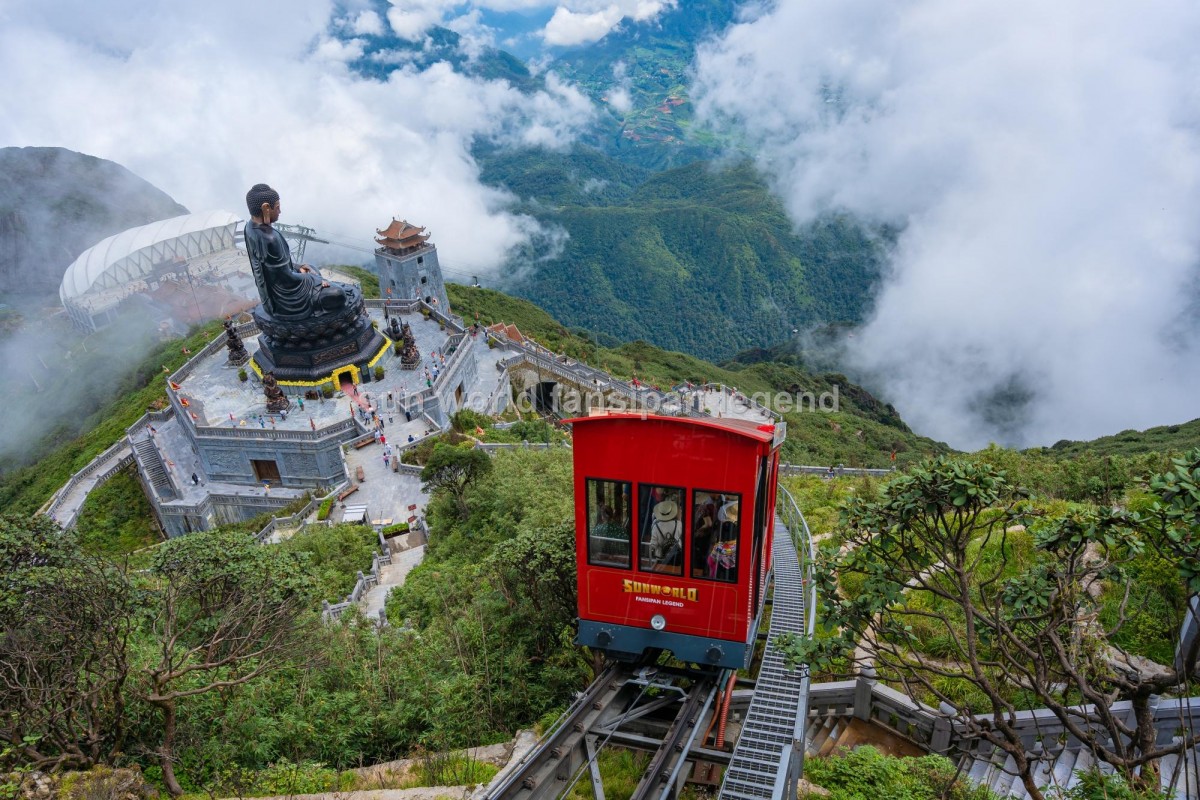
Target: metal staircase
[{"x": 769, "y": 755}]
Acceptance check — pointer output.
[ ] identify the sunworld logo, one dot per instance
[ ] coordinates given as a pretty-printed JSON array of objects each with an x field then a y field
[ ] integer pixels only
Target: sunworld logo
[{"x": 679, "y": 593}]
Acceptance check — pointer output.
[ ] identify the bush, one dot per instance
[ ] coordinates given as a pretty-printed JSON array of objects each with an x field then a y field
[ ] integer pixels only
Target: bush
[
  {"x": 379, "y": 373},
  {"x": 392, "y": 530},
  {"x": 466, "y": 421},
  {"x": 327, "y": 390},
  {"x": 1095, "y": 785},
  {"x": 325, "y": 507},
  {"x": 243, "y": 376},
  {"x": 335, "y": 556},
  {"x": 867, "y": 774}
]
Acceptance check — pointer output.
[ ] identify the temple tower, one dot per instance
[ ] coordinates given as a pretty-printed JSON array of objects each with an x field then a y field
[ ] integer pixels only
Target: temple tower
[{"x": 408, "y": 265}]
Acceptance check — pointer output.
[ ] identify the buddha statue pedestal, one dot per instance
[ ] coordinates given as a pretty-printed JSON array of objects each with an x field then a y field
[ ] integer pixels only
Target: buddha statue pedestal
[{"x": 311, "y": 350}]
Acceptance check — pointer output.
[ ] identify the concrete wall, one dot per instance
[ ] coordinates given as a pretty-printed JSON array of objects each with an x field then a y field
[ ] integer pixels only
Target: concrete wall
[{"x": 414, "y": 274}]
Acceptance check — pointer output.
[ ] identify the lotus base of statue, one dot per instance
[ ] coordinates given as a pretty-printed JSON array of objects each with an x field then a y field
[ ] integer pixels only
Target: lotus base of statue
[{"x": 311, "y": 350}]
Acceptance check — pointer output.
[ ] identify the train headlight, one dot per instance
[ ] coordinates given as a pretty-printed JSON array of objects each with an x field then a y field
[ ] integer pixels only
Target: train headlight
[{"x": 658, "y": 622}]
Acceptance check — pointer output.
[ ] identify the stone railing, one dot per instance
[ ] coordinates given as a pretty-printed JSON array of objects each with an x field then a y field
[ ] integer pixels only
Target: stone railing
[
  {"x": 503, "y": 387},
  {"x": 298, "y": 518},
  {"x": 364, "y": 584},
  {"x": 244, "y": 330},
  {"x": 739, "y": 397},
  {"x": 937, "y": 731},
  {"x": 268, "y": 434},
  {"x": 248, "y": 500},
  {"x": 492, "y": 447},
  {"x": 797, "y": 469},
  {"x": 116, "y": 460}
]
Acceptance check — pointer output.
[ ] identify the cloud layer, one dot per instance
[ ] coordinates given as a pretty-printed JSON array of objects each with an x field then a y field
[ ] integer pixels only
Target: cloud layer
[
  {"x": 572, "y": 22},
  {"x": 1044, "y": 162},
  {"x": 204, "y": 100}
]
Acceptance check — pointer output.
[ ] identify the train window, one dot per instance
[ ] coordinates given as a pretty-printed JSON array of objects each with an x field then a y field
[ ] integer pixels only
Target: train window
[
  {"x": 715, "y": 530},
  {"x": 609, "y": 522},
  {"x": 660, "y": 538}
]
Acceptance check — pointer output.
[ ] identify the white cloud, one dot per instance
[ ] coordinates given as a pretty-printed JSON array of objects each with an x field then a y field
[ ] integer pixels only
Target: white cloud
[
  {"x": 1044, "y": 162},
  {"x": 584, "y": 21},
  {"x": 367, "y": 23},
  {"x": 340, "y": 50},
  {"x": 619, "y": 96},
  {"x": 410, "y": 19},
  {"x": 475, "y": 37},
  {"x": 568, "y": 27},
  {"x": 197, "y": 107}
]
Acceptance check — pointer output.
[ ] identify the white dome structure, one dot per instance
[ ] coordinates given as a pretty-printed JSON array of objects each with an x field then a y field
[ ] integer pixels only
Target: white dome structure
[{"x": 133, "y": 254}]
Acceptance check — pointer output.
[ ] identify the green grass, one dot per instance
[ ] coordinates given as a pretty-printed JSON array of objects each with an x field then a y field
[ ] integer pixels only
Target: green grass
[
  {"x": 335, "y": 556},
  {"x": 620, "y": 772},
  {"x": 116, "y": 518},
  {"x": 368, "y": 280},
  {"x": 867, "y": 774},
  {"x": 1162, "y": 439}
]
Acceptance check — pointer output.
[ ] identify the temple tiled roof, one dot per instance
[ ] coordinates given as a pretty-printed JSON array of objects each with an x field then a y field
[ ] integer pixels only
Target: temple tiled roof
[{"x": 401, "y": 235}]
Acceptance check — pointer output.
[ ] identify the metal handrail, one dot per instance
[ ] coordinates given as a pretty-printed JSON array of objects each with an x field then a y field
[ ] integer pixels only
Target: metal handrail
[{"x": 789, "y": 511}]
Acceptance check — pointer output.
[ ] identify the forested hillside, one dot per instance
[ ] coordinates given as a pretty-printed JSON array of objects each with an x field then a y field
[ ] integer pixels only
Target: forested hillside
[
  {"x": 862, "y": 432},
  {"x": 700, "y": 258}
]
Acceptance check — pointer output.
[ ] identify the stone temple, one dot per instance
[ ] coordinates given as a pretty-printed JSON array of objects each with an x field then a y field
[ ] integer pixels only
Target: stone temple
[{"x": 219, "y": 454}]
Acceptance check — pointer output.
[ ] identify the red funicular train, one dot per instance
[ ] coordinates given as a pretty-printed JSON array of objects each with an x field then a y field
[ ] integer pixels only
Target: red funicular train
[{"x": 673, "y": 521}]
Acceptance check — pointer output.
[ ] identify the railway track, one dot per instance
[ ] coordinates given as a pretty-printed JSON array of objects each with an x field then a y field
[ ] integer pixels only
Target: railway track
[
  {"x": 647, "y": 707},
  {"x": 662, "y": 710}
]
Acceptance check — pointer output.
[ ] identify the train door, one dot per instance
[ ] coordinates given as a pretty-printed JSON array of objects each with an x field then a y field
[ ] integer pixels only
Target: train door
[{"x": 761, "y": 520}]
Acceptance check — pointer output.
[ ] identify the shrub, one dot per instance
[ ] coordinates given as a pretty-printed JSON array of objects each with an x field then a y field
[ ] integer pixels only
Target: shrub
[
  {"x": 379, "y": 373},
  {"x": 325, "y": 507},
  {"x": 327, "y": 390},
  {"x": 243, "y": 376},
  {"x": 865, "y": 773},
  {"x": 392, "y": 530}
]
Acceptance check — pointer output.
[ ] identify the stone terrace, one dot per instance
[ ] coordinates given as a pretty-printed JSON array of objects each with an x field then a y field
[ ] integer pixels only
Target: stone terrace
[{"x": 219, "y": 399}]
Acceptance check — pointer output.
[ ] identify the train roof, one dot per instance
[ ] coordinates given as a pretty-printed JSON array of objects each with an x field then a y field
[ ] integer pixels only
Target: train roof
[{"x": 759, "y": 432}]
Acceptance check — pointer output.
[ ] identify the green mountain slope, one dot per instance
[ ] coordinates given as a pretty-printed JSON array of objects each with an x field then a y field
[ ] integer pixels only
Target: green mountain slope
[
  {"x": 698, "y": 259},
  {"x": 56, "y": 203},
  {"x": 863, "y": 432},
  {"x": 1162, "y": 439},
  {"x": 648, "y": 65}
]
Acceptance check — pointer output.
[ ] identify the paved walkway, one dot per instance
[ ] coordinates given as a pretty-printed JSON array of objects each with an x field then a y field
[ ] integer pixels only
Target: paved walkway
[
  {"x": 65, "y": 509},
  {"x": 391, "y": 576},
  {"x": 722, "y": 404}
]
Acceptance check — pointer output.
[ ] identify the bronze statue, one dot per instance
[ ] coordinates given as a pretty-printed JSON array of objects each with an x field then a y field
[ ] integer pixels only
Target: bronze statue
[
  {"x": 276, "y": 400},
  {"x": 287, "y": 292},
  {"x": 237, "y": 350}
]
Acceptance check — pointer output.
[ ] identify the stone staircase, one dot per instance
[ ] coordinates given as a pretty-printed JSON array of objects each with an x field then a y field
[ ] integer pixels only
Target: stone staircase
[{"x": 155, "y": 471}]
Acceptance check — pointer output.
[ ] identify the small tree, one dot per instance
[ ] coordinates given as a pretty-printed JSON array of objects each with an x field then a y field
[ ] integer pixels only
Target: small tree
[
  {"x": 65, "y": 621},
  {"x": 454, "y": 469},
  {"x": 931, "y": 556},
  {"x": 225, "y": 610}
]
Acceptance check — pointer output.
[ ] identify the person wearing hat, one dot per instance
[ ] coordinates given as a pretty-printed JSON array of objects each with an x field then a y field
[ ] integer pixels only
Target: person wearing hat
[
  {"x": 666, "y": 536},
  {"x": 722, "y": 559}
]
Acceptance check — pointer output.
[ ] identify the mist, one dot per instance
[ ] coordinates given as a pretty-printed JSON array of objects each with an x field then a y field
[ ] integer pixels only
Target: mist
[
  {"x": 1043, "y": 165},
  {"x": 205, "y": 100}
]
